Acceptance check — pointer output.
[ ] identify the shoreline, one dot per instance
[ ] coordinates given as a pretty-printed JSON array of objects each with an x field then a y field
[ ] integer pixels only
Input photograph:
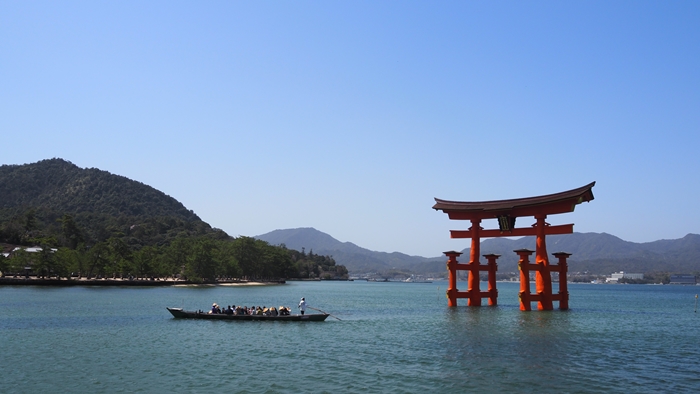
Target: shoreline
[{"x": 4, "y": 281}]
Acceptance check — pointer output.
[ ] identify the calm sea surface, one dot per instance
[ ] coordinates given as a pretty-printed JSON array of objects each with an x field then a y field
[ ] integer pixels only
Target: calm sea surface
[{"x": 393, "y": 337}]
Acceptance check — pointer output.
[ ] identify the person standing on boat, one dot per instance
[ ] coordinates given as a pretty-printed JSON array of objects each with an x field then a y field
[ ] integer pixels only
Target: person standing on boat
[{"x": 302, "y": 305}]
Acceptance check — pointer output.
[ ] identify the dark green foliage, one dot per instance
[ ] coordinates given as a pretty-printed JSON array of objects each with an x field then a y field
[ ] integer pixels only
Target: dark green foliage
[
  {"x": 316, "y": 266},
  {"x": 72, "y": 236},
  {"x": 4, "y": 264},
  {"x": 57, "y": 183},
  {"x": 58, "y": 199},
  {"x": 259, "y": 260}
]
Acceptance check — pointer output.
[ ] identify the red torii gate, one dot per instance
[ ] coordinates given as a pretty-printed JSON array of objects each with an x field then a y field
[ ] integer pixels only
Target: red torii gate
[{"x": 506, "y": 211}]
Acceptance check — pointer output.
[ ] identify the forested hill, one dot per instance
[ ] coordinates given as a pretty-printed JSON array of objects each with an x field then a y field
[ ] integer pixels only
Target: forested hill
[
  {"x": 35, "y": 198},
  {"x": 60, "y": 184},
  {"x": 88, "y": 222}
]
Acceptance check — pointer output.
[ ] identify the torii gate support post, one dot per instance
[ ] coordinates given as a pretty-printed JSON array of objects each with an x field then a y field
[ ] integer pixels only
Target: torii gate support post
[
  {"x": 452, "y": 279},
  {"x": 543, "y": 279},
  {"x": 493, "y": 267},
  {"x": 473, "y": 287},
  {"x": 563, "y": 287},
  {"x": 524, "y": 267}
]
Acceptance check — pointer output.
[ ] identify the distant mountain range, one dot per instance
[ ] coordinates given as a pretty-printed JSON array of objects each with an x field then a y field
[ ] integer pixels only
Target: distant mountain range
[
  {"x": 597, "y": 253},
  {"x": 360, "y": 259}
]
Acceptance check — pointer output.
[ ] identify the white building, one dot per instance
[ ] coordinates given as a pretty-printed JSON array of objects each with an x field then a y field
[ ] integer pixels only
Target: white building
[
  {"x": 622, "y": 274},
  {"x": 33, "y": 249}
]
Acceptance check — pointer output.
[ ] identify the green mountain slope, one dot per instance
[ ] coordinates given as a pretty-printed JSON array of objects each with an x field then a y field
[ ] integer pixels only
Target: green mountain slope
[
  {"x": 34, "y": 198},
  {"x": 59, "y": 184}
]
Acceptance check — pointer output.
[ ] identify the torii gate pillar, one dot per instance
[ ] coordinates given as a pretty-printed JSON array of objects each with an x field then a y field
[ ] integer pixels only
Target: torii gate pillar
[
  {"x": 473, "y": 293},
  {"x": 452, "y": 277}
]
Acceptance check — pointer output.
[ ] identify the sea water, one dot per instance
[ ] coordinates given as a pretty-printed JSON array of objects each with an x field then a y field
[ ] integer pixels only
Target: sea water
[{"x": 384, "y": 338}]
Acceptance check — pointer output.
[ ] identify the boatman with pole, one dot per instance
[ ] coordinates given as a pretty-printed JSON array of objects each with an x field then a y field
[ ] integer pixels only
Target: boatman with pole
[{"x": 302, "y": 305}]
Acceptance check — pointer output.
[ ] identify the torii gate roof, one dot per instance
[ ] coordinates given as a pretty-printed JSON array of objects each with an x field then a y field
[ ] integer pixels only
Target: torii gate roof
[{"x": 548, "y": 205}]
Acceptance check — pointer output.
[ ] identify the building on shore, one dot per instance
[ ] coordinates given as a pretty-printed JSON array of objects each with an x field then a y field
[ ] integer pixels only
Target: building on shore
[{"x": 615, "y": 277}]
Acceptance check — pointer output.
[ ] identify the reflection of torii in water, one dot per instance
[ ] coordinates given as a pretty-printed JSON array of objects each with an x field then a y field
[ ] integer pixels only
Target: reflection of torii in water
[{"x": 506, "y": 211}]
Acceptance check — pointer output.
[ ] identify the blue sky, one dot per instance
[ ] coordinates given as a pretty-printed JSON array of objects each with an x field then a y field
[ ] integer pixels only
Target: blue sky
[{"x": 350, "y": 117}]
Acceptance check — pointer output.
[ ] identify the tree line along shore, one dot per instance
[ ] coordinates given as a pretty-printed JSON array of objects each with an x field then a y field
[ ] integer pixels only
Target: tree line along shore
[
  {"x": 17, "y": 280},
  {"x": 202, "y": 259}
]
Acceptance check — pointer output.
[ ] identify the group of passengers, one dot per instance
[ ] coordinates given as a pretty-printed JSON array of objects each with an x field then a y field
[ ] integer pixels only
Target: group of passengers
[{"x": 244, "y": 310}]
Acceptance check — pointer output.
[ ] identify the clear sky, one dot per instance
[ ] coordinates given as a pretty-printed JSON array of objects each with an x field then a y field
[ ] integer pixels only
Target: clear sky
[{"x": 350, "y": 117}]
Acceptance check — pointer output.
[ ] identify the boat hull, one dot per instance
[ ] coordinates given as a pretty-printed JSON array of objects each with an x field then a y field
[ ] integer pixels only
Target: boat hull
[{"x": 179, "y": 313}]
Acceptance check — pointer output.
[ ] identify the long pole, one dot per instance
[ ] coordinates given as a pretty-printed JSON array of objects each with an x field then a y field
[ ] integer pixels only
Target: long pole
[{"x": 323, "y": 312}]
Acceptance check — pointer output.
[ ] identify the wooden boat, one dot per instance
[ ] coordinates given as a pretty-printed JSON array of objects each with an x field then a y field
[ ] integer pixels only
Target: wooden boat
[{"x": 183, "y": 314}]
